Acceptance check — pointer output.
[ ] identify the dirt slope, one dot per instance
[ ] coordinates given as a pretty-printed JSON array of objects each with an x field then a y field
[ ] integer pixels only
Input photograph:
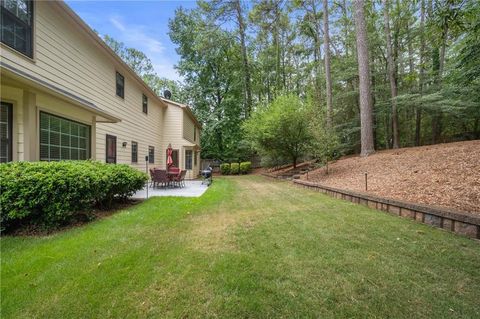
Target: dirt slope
[{"x": 445, "y": 175}]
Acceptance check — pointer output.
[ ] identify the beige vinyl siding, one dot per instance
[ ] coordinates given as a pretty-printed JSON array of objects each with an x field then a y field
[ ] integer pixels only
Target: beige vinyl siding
[
  {"x": 188, "y": 128},
  {"x": 177, "y": 122},
  {"x": 14, "y": 96},
  {"x": 171, "y": 132},
  {"x": 67, "y": 57},
  {"x": 27, "y": 104}
]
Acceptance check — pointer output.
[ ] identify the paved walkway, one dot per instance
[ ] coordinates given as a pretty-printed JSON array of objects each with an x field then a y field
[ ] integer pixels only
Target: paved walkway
[{"x": 191, "y": 189}]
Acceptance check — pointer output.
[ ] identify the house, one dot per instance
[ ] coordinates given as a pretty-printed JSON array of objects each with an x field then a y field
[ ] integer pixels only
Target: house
[{"x": 65, "y": 95}]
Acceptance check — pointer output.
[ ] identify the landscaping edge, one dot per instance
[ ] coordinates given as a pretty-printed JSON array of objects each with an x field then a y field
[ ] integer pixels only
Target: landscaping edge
[{"x": 462, "y": 223}]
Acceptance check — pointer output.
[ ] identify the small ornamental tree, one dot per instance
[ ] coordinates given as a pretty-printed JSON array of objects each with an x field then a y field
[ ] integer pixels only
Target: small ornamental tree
[{"x": 280, "y": 129}]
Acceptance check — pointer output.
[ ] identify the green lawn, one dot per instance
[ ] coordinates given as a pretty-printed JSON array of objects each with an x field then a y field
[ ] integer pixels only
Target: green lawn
[{"x": 249, "y": 247}]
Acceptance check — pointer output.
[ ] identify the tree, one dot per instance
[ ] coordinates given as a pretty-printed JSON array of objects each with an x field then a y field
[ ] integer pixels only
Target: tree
[
  {"x": 211, "y": 67},
  {"x": 224, "y": 10},
  {"x": 366, "y": 116},
  {"x": 328, "y": 75},
  {"x": 391, "y": 74},
  {"x": 134, "y": 58},
  {"x": 279, "y": 129}
]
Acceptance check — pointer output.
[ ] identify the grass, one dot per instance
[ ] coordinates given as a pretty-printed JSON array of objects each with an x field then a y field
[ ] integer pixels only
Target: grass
[{"x": 249, "y": 247}]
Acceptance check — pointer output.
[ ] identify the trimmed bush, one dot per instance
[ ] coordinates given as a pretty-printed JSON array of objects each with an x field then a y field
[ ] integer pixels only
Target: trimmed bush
[
  {"x": 225, "y": 168},
  {"x": 234, "y": 168},
  {"x": 245, "y": 167},
  {"x": 50, "y": 193}
]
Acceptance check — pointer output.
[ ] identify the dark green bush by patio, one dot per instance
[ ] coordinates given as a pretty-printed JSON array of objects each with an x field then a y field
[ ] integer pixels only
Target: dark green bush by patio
[
  {"x": 50, "y": 193},
  {"x": 225, "y": 168},
  {"x": 245, "y": 167},
  {"x": 234, "y": 168}
]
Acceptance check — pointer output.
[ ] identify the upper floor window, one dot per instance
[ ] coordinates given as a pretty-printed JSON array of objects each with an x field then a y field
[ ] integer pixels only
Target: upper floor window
[
  {"x": 145, "y": 103},
  {"x": 16, "y": 20},
  {"x": 120, "y": 80},
  {"x": 194, "y": 134}
]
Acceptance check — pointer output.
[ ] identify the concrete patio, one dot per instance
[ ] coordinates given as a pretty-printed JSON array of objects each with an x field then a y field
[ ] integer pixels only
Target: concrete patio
[{"x": 191, "y": 189}]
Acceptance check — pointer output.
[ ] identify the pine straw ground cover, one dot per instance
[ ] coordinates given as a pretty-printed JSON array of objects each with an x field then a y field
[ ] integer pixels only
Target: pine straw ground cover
[
  {"x": 445, "y": 175},
  {"x": 250, "y": 247}
]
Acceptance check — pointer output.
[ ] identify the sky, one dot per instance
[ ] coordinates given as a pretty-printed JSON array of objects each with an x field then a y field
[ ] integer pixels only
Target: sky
[{"x": 142, "y": 25}]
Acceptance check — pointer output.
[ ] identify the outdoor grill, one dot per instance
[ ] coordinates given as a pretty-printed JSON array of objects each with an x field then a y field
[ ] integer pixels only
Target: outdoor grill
[{"x": 207, "y": 176}]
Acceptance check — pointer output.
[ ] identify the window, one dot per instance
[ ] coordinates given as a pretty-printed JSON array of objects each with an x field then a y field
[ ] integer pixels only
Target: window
[
  {"x": 16, "y": 20},
  {"x": 188, "y": 159},
  {"x": 134, "y": 152},
  {"x": 111, "y": 153},
  {"x": 151, "y": 154},
  {"x": 120, "y": 85},
  {"x": 6, "y": 121},
  {"x": 195, "y": 159},
  {"x": 63, "y": 139},
  {"x": 194, "y": 134},
  {"x": 145, "y": 103}
]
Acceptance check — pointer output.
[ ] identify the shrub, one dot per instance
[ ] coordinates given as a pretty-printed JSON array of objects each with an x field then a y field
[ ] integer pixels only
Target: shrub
[
  {"x": 245, "y": 167},
  {"x": 234, "y": 168},
  {"x": 50, "y": 193},
  {"x": 225, "y": 168}
]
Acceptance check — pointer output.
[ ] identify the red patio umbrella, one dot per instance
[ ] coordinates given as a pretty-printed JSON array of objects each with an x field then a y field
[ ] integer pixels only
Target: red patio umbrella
[{"x": 169, "y": 155}]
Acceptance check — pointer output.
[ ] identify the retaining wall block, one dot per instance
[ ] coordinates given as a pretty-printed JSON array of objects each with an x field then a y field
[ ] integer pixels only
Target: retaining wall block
[
  {"x": 394, "y": 210},
  {"x": 433, "y": 220},
  {"x": 448, "y": 224},
  {"x": 408, "y": 213},
  {"x": 466, "y": 229},
  {"x": 372, "y": 204},
  {"x": 419, "y": 217}
]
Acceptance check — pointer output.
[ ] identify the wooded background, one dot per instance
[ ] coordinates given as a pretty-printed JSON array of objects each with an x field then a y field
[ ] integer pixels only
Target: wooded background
[{"x": 409, "y": 69}]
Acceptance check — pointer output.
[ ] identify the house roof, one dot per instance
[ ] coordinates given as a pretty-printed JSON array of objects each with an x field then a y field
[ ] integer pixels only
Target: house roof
[
  {"x": 186, "y": 108},
  {"x": 100, "y": 43},
  {"x": 23, "y": 77}
]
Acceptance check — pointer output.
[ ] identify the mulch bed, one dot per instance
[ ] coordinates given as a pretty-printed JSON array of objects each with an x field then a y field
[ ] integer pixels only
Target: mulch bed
[{"x": 445, "y": 175}]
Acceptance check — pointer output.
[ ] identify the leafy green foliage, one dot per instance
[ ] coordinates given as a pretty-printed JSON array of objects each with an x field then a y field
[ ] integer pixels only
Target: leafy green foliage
[
  {"x": 281, "y": 128},
  {"x": 234, "y": 168},
  {"x": 50, "y": 193},
  {"x": 245, "y": 167},
  {"x": 437, "y": 92},
  {"x": 225, "y": 168}
]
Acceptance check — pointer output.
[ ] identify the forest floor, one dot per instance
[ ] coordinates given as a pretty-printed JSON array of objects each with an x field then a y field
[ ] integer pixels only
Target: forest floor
[{"x": 445, "y": 175}]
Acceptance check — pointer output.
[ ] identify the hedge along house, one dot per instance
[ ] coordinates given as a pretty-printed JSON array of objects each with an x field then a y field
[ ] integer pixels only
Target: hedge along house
[{"x": 66, "y": 95}]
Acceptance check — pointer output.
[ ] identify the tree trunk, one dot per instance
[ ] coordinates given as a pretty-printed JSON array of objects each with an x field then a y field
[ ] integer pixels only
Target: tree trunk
[
  {"x": 418, "y": 111},
  {"x": 246, "y": 67},
  {"x": 391, "y": 75},
  {"x": 366, "y": 116},
  {"x": 328, "y": 76}
]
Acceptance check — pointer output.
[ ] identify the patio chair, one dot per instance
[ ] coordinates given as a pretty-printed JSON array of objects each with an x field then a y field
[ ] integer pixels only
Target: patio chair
[
  {"x": 152, "y": 174},
  {"x": 160, "y": 177},
  {"x": 180, "y": 178}
]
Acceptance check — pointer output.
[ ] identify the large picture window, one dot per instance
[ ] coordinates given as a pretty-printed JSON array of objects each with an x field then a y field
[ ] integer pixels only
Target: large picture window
[
  {"x": 16, "y": 20},
  {"x": 63, "y": 139}
]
